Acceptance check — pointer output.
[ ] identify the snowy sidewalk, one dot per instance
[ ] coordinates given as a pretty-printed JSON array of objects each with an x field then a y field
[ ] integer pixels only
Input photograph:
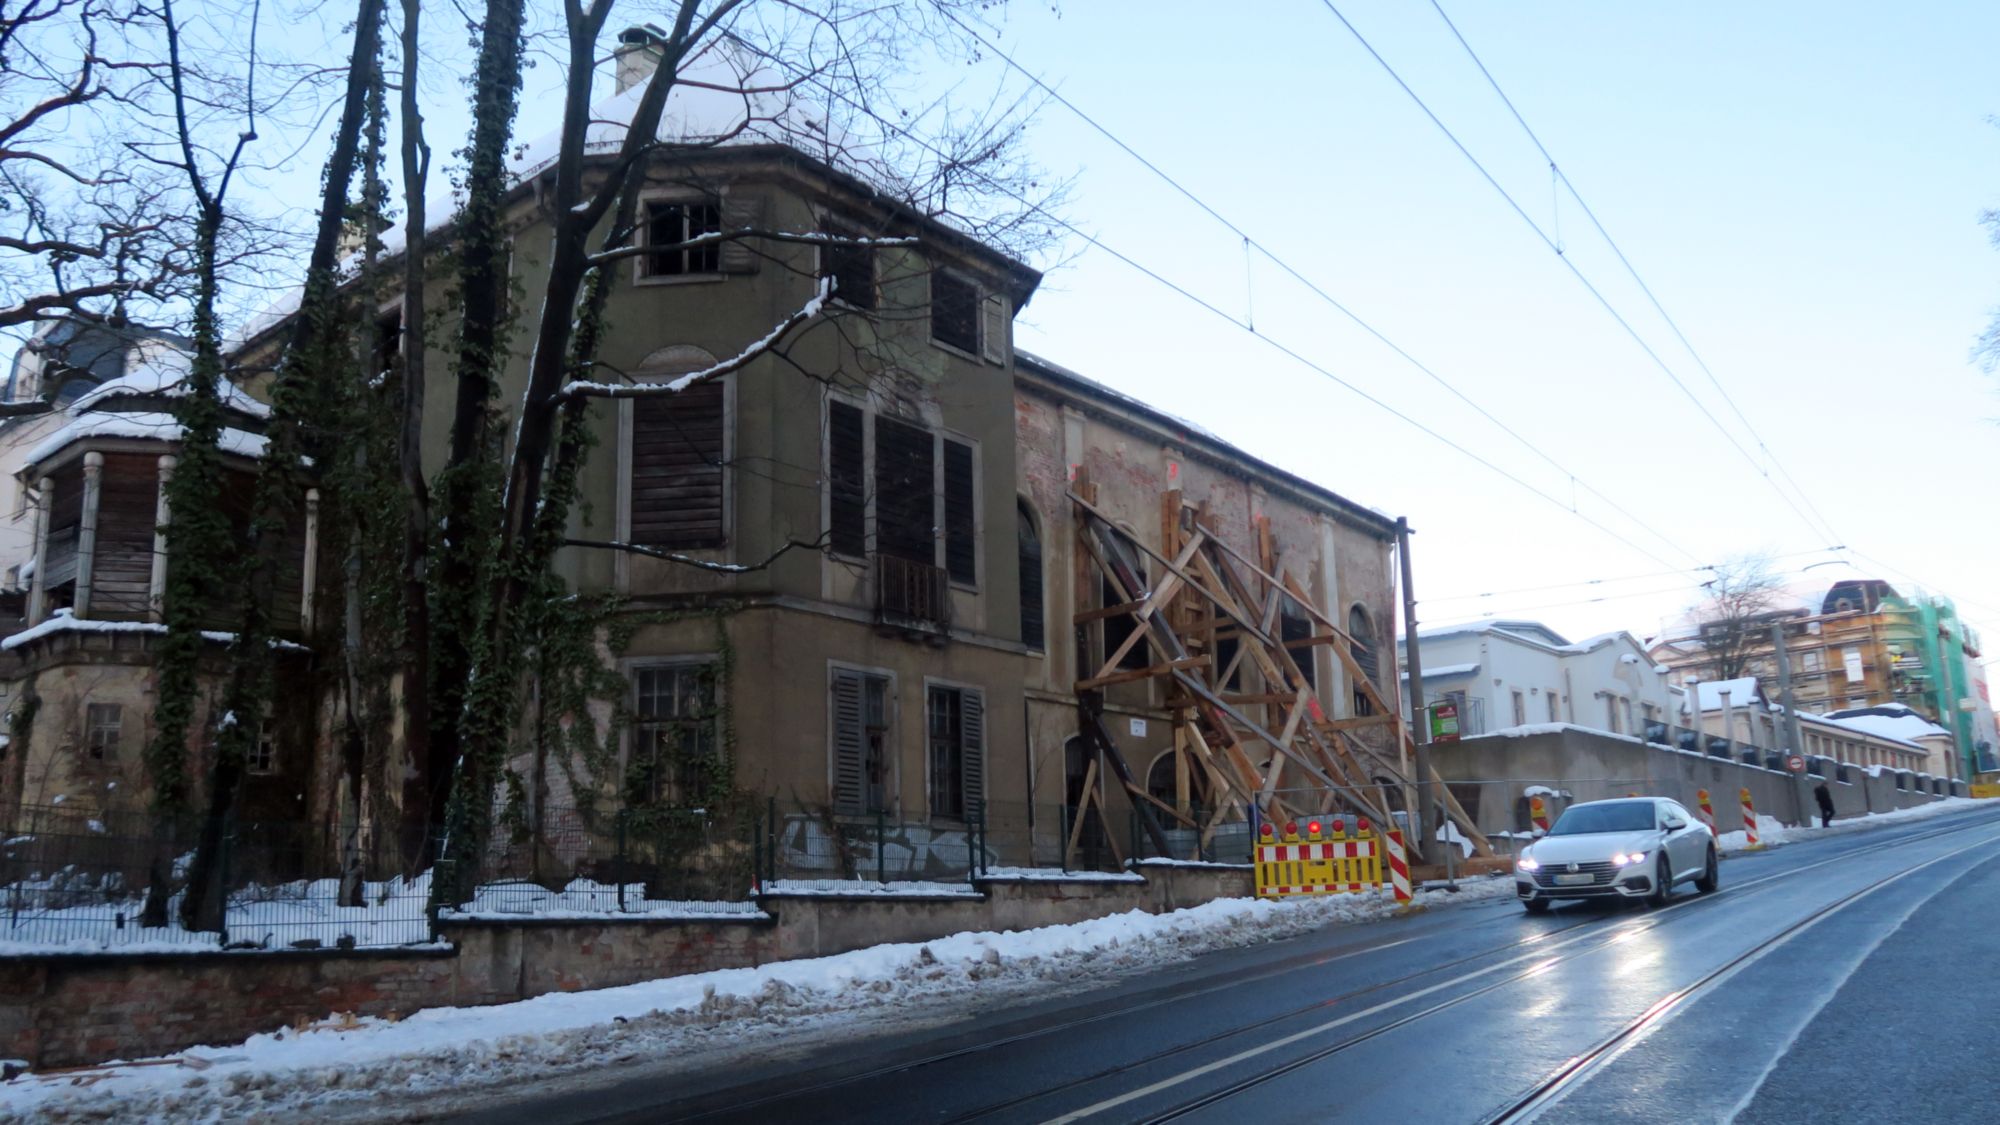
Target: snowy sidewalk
[{"x": 859, "y": 993}]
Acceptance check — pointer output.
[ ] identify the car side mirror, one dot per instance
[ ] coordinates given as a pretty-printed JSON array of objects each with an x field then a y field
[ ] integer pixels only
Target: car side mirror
[{"x": 1674, "y": 825}]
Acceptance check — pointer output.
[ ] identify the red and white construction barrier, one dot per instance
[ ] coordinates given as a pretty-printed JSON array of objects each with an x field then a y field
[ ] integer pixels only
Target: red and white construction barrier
[
  {"x": 1539, "y": 813},
  {"x": 1749, "y": 820},
  {"x": 1707, "y": 812},
  {"x": 1399, "y": 866}
]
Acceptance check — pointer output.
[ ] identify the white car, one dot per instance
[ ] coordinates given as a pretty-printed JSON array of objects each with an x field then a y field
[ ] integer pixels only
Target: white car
[{"x": 1638, "y": 847}]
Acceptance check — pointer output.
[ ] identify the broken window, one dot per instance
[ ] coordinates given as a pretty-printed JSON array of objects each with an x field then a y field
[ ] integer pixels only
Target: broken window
[
  {"x": 954, "y": 312},
  {"x": 104, "y": 726},
  {"x": 668, "y": 225}
]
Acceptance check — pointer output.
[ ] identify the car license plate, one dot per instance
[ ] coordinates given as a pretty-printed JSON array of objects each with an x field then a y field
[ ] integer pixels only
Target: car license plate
[{"x": 1580, "y": 879}]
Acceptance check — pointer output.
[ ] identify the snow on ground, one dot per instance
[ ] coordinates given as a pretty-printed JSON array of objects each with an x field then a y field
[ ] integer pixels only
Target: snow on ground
[
  {"x": 850, "y": 888},
  {"x": 584, "y": 899},
  {"x": 285, "y": 1074},
  {"x": 1770, "y": 833}
]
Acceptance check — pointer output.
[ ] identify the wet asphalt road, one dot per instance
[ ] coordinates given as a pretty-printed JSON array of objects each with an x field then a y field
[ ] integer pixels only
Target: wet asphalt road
[{"x": 1852, "y": 978}]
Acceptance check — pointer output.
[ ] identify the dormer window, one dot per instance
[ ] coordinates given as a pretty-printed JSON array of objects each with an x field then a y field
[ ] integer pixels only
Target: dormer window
[{"x": 670, "y": 224}]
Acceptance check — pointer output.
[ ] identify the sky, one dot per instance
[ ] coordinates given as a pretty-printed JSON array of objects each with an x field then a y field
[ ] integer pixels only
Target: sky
[{"x": 1799, "y": 185}]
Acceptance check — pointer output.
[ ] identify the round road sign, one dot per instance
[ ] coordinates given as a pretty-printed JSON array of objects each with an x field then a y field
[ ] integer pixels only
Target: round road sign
[{"x": 1795, "y": 763}]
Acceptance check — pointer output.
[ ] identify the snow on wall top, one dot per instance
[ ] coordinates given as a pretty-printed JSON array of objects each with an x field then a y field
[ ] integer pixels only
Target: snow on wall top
[
  {"x": 166, "y": 374},
  {"x": 152, "y": 426}
]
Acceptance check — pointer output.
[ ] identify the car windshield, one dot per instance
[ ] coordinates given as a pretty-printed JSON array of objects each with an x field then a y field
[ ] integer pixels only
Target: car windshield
[{"x": 1633, "y": 816}]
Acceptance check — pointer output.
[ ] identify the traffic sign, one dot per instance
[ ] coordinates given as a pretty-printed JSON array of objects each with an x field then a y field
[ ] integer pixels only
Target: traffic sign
[{"x": 1795, "y": 763}]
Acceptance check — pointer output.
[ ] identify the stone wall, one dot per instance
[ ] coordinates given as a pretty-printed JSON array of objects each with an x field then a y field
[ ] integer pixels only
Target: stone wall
[
  {"x": 63, "y": 1010},
  {"x": 1491, "y": 776}
]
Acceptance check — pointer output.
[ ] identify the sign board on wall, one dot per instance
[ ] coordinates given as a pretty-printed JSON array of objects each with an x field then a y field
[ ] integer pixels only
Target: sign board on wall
[
  {"x": 1851, "y": 664},
  {"x": 1444, "y": 722}
]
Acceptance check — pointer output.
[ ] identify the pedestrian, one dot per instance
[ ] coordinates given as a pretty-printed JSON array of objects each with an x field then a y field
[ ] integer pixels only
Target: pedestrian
[{"x": 1825, "y": 800}]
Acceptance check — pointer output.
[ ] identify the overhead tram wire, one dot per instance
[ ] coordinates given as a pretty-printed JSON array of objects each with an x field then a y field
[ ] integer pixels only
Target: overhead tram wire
[
  {"x": 1633, "y": 271},
  {"x": 1312, "y": 287},
  {"x": 1578, "y": 274},
  {"x": 1604, "y": 581},
  {"x": 1267, "y": 340}
]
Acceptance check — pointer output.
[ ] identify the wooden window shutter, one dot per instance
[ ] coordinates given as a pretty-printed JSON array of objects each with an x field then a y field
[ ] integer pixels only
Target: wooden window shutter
[
  {"x": 961, "y": 556},
  {"x": 847, "y": 481},
  {"x": 677, "y": 449},
  {"x": 740, "y": 255},
  {"x": 972, "y": 751},
  {"x": 849, "y": 743},
  {"x": 994, "y": 336}
]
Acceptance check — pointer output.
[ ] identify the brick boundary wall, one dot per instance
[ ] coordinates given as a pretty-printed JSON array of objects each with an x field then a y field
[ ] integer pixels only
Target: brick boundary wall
[{"x": 74, "y": 1009}]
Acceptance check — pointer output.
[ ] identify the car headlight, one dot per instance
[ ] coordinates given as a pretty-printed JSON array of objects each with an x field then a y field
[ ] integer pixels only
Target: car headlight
[
  {"x": 1623, "y": 860},
  {"x": 1527, "y": 863}
]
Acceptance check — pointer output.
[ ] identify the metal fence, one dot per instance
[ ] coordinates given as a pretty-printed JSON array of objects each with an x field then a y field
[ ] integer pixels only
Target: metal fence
[{"x": 74, "y": 879}]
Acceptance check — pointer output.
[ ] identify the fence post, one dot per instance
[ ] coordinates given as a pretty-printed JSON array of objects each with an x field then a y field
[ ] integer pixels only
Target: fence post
[
  {"x": 757, "y": 852},
  {"x": 881, "y": 853},
  {"x": 222, "y": 874},
  {"x": 618, "y": 863}
]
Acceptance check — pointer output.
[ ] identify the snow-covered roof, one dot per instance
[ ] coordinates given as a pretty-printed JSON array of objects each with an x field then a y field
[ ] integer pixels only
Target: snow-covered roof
[
  {"x": 1890, "y": 720},
  {"x": 164, "y": 374},
  {"x": 1446, "y": 671},
  {"x": 64, "y": 622},
  {"x": 149, "y": 426},
  {"x": 1524, "y": 630},
  {"x": 1742, "y": 692}
]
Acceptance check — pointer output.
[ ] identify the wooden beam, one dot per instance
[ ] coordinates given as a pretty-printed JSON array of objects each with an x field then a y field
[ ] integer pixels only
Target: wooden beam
[{"x": 1145, "y": 673}]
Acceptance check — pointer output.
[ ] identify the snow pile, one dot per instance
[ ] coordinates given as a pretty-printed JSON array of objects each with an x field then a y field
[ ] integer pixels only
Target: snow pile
[
  {"x": 288, "y": 1074},
  {"x": 583, "y": 899},
  {"x": 1771, "y": 833},
  {"x": 1058, "y": 875}
]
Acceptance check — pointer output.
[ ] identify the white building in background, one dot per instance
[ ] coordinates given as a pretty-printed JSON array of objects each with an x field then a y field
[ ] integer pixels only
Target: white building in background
[
  {"x": 1742, "y": 720},
  {"x": 1506, "y": 674}
]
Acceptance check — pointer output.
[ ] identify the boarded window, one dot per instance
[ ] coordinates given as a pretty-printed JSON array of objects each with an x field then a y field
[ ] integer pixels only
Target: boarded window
[
  {"x": 860, "y": 706},
  {"x": 905, "y": 491},
  {"x": 955, "y": 719},
  {"x": 852, "y": 269},
  {"x": 668, "y": 225},
  {"x": 1030, "y": 545},
  {"x": 954, "y": 312},
  {"x": 677, "y": 455},
  {"x": 675, "y": 723},
  {"x": 960, "y": 528}
]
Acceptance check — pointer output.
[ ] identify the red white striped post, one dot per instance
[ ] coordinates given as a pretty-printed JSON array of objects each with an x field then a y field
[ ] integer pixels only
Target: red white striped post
[
  {"x": 1539, "y": 813},
  {"x": 1749, "y": 819},
  {"x": 1707, "y": 813},
  {"x": 1399, "y": 866}
]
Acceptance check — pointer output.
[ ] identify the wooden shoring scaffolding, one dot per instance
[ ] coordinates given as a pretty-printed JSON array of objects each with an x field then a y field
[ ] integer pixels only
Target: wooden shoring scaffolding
[{"x": 1211, "y": 614}]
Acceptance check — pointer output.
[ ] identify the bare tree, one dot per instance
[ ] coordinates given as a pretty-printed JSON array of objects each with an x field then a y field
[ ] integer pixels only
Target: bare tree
[{"x": 1736, "y": 615}]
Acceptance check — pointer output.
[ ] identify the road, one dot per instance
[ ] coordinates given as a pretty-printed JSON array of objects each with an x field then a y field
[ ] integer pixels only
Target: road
[{"x": 1850, "y": 978}]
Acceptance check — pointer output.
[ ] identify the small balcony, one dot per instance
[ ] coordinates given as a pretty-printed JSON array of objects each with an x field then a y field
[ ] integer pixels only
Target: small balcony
[{"x": 912, "y": 599}]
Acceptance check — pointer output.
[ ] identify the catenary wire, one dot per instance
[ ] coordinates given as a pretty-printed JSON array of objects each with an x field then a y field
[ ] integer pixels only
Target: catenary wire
[
  {"x": 1633, "y": 271},
  {"x": 1314, "y": 288},
  {"x": 1578, "y": 274}
]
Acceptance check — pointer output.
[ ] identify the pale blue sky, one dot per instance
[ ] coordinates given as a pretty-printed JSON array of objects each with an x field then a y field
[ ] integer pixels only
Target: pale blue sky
[{"x": 1799, "y": 183}]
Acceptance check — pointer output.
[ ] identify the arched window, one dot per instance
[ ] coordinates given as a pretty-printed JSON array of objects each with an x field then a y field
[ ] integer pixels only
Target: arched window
[
  {"x": 1032, "y": 633},
  {"x": 1363, "y": 651}
]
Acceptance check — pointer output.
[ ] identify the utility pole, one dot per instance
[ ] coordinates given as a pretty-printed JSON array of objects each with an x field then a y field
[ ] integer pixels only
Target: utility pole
[
  {"x": 1948, "y": 701},
  {"x": 1794, "y": 743},
  {"x": 1420, "y": 816}
]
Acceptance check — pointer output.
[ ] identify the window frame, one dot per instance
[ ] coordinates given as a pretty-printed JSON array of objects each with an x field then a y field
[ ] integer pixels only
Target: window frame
[
  {"x": 633, "y": 669},
  {"x": 826, "y": 251},
  {"x": 934, "y": 684},
  {"x": 871, "y": 507},
  {"x": 976, "y": 312},
  {"x": 640, "y": 261},
  {"x": 106, "y": 751},
  {"x": 892, "y": 782}
]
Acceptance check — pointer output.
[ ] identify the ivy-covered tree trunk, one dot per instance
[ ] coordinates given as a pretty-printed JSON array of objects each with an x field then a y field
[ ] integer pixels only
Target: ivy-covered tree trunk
[
  {"x": 317, "y": 359},
  {"x": 420, "y": 777},
  {"x": 469, "y": 484}
]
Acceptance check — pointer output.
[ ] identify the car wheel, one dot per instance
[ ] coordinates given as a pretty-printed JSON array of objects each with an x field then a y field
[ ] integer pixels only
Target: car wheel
[
  {"x": 1710, "y": 877},
  {"x": 1663, "y": 883},
  {"x": 1535, "y": 905}
]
